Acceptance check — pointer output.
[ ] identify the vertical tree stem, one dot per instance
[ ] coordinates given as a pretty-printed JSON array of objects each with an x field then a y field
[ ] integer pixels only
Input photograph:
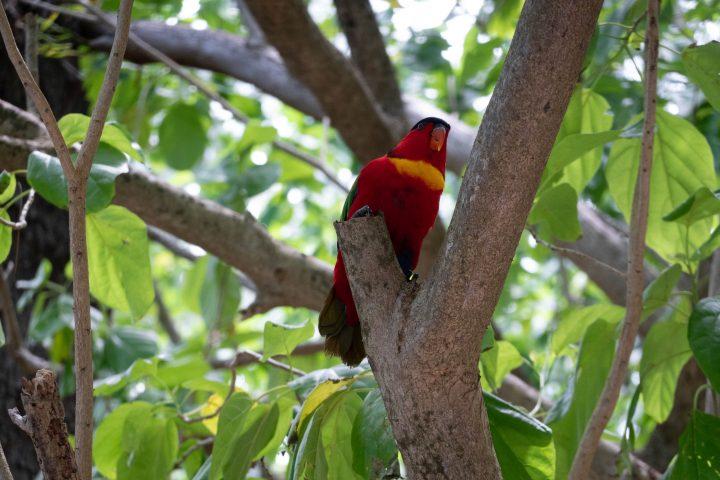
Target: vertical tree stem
[
  {"x": 5, "y": 473},
  {"x": 635, "y": 269}
]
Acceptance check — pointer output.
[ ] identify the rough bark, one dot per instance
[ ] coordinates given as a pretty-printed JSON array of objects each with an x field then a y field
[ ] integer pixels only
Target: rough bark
[
  {"x": 422, "y": 347},
  {"x": 369, "y": 54},
  {"x": 44, "y": 422}
]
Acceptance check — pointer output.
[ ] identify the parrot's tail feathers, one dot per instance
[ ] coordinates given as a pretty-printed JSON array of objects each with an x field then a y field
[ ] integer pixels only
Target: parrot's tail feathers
[{"x": 341, "y": 340}]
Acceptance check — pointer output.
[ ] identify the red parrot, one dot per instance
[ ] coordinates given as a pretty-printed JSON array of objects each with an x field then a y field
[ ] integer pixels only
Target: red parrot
[{"x": 405, "y": 185}]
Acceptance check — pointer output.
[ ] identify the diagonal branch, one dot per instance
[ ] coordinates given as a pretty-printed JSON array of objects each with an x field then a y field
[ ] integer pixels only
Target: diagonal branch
[
  {"x": 635, "y": 274},
  {"x": 369, "y": 54},
  {"x": 313, "y": 60}
]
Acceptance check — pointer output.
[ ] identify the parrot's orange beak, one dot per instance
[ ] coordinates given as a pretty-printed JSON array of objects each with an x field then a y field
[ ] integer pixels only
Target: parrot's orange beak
[{"x": 437, "y": 138}]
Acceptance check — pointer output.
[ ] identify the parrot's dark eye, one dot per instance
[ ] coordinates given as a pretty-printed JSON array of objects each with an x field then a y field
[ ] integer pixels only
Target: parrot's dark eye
[{"x": 419, "y": 126}]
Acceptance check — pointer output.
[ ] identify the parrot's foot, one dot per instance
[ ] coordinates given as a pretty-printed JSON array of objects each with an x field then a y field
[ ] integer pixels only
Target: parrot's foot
[
  {"x": 413, "y": 277},
  {"x": 363, "y": 211}
]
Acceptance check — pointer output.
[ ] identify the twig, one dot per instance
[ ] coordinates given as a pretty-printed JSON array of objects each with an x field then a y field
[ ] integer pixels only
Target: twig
[
  {"x": 178, "y": 70},
  {"x": 5, "y": 473},
  {"x": 54, "y": 8},
  {"x": 77, "y": 193},
  {"x": 44, "y": 422},
  {"x": 34, "y": 92},
  {"x": 635, "y": 271},
  {"x": 576, "y": 253},
  {"x": 203, "y": 442},
  {"x": 164, "y": 317},
  {"x": 246, "y": 357},
  {"x": 31, "y": 52},
  {"x": 217, "y": 411},
  {"x": 22, "y": 220},
  {"x": 177, "y": 246}
]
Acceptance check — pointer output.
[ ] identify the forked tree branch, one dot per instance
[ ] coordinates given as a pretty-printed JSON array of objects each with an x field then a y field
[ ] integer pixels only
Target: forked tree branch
[
  {"x": 635, "y": 271},
  {"x": 76, "y": 189}
]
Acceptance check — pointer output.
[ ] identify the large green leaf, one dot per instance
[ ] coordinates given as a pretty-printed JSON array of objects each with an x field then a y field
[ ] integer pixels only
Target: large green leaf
[
  {"x": 232, "y": 418},
  {"x": 587, "y": 113},
  {"x": 73, "y": 127},
  {"x": 125, "y": 344},
  {"x": 568, "y": 418},
  {"x": 256, "y": 134},
  {"x": 665, "y": 352},
  {"x": 336, "y": 435},
  {"x": 657, "y": 294},
  {"x": 701, "y": 204},
  {"x": 107, "y": 441},
  {"x": 682, "y": 164},
  {"x": 575, "y": 322},
  {"x": 704, "y": 338},
  {"x": 219, "y": 294},
  {"x": 281, "y": 339},
  {"x": 702, "y": 65},
  {"x": 250, "y": 440},
  {"x": 524, "y": 446},
  {"x": 497, "y": 362},
  {"x": 699, "y": 456},
  {"x": 182, "y": 136},
  {"x": 150, "y": 445},
  {"x": 113, "y": 383},
  {"x": 118, "y": 260},
  {"x": 46, "y": 176},
  {"x": 373, "y": 443},
  {"x": 555, "y": 214}
]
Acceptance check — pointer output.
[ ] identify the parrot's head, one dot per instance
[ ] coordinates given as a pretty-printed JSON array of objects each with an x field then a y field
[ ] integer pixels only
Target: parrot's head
[{"x": 426, "y": 141}]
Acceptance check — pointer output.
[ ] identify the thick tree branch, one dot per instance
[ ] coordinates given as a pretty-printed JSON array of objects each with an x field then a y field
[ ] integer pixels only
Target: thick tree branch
[
  {"x": 369, "y": 54},
  {"x": 635, "y": 271},
  {"x": 44, "y": 422},
  {"x": 313, "y": 60}
]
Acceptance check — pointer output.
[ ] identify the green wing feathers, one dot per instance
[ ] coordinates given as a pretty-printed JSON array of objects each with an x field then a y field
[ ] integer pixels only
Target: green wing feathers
[{"x": 341, "y": 340}]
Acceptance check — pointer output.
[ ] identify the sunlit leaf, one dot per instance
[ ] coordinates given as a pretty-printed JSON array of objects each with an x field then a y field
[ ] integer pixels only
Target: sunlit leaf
[
  {"x": 699, "y": 456},
  {"x": 497, "y": 362},
  {"x": 555, "y": 214},
  {"x": 704, "y": 338},
  {"x": 702, "y": 66},
  {"x": 281, "y": 339}
]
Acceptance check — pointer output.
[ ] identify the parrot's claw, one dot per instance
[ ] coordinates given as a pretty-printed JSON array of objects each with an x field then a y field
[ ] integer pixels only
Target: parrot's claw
[
  {"x": 363, "y": 211},
  {"x": 413, "y": 277}
]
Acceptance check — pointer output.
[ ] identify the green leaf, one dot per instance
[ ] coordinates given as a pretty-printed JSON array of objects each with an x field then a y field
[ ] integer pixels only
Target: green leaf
[
  {"x": 658, "y": 293},
  {"x": 336, "y": 433},
  {"x": 182, "y": 136},
  {"x": 5, "y": 237},
  {"x": 258, "y": 178},
  {"x": 124, "y": 345},
  {"x": 281, "y": 339},
  {"x": 587, "y": 113},
  {"x": 504, "y": 18},
  {"x": 219, "y": 294},
  {"x": 256, "y": 134},
  {"x": 232, "y": 419},
  {"x": 665, "y": 352},
  {"x": 708, "y": 246},
  {"x": 178, "y": 370},
  {"x": 107, "y": 441},
  {"x": 523, "y": 445},
  {"x": 74, "y": 127},
  {"x": 497, "y": 362},
  {"x": 699, "y": 456},
  {"x": 309, "y": 457},
  {"x": 575, "y": 322},
  {"x": 45, "y": 175},
  {"x": 573, "y": 147},
  {"x": 113, "y": 383},
  {"x": 150, "y": 446},
  {"x": 569, "y": 416},
  {"x": 8, "y": 184},
  {"x": 682, "y": 164},
  {"x": 250, "y": 440},
  {"x": 704, "y": 338},
  {"x": 118, "y": 260},
  {"x": 373, "y": 443},
  {"x": 555, "y": 214},
  {"x": 701, "y": 204},
  {"x": 702, "y": 66}
]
